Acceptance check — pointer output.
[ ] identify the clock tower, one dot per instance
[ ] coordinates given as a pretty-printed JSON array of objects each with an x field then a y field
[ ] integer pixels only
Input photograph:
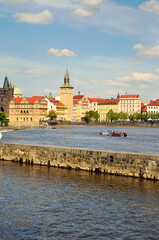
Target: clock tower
[{"x": 66, "y": 96}]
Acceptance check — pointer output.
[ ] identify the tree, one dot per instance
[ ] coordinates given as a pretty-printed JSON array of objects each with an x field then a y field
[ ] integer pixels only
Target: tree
[
  {"x": 131, "y": 117},
  {"x": 3, "y": 120},
  {"x": 123, "y": 116},
  {"x": 145, "y": 116},
  {"x": 137, "y": 116},
  {"x": 52, "y": 114},
  {"x": 2, "y": 116},
  {"x": 110, "y": 115},
  {"x": 91, "y": 115}
]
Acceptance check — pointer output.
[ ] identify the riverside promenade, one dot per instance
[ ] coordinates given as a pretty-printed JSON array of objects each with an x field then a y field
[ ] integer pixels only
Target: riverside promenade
[{"x": 108, "y": 162}]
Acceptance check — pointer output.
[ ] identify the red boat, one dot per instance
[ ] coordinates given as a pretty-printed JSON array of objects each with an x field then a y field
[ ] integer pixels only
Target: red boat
[{"x": 117, "y": 134}]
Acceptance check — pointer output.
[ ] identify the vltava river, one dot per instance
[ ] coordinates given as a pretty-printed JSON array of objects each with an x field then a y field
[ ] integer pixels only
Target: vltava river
[
  {"x": 142, "y": 140},
  {"x": 41, "y": 203}
]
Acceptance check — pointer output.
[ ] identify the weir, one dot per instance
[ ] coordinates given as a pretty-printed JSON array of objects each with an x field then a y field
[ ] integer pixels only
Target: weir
[{"x": 99, "y": 161}]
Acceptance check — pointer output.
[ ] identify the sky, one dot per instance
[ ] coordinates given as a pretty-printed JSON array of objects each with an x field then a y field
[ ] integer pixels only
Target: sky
[{"x": 108, "y": 46}]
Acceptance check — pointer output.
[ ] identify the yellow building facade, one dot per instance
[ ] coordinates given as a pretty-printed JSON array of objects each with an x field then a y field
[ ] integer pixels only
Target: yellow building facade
[
  {"x": 82, "y": 106},
  {"x": 27, "y": 111},
  {"x": 107, "y": 105}
]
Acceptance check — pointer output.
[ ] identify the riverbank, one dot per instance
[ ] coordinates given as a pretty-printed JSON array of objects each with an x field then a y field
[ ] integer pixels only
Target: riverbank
[
  {"x": 107, "y": 162},
  {"x": 154, "y": 124},
  {"x": 112, "y": 124}
]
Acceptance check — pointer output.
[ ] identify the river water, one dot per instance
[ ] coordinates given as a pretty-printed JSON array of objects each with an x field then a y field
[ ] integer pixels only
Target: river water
[
  {"x": 142, "y": 140},
  {"x": 39, "y": 202}
]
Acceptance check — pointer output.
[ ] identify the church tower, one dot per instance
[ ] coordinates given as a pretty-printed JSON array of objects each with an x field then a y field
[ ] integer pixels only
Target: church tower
[{"x": 66, "y": 96}]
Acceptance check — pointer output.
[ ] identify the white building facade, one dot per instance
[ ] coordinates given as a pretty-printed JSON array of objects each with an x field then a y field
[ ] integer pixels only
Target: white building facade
[{"x": 130, "y": 104}]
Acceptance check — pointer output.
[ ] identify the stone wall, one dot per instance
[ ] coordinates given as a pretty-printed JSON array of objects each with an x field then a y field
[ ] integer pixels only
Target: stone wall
[{"x": 118, "y": 163}]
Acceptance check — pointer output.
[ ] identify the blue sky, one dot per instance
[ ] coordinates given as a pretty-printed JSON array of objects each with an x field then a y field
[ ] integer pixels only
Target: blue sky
[{"x": 107, "y": 45}]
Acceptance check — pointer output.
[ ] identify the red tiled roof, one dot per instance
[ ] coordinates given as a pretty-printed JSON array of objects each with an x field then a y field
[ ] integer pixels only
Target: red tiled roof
[
  {"x": 144, "y": 108},
  {"x": 154, "y": 102},
  {"x": 129, "y": 96},
  {"x": 109, "y": 101},
  {"x": 96, "y": 99},
  {"x": 31, "y": 100},
  {"x": 17, "y": 100},
  {"x": 57, "y": 103},
  {"x": 75, "y": 101},
  {"x": 78, "y": 97}
]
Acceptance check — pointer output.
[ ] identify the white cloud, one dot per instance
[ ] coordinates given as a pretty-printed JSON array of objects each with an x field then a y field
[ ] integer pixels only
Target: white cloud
[
  {"x": 79, "y": 82},
  {"x": 91, "y": 2},
  {"x": 82, "y": 12},
  {"x": 151, "y": 6},
  {"x": 144, "y": 86},
  {"x": 36, "y": 71},
  {"x": 44, "y": 17},
  {"x": 60, "y": 53},
  {"x": 17, "y": 1},
  {"x": 139, "y": 77},
  {"x": 56, "y": 3},
  {"x": 147, "y": 52},
  {"x": 95, "y": 81},
  {"x": 116, "y": 83}
]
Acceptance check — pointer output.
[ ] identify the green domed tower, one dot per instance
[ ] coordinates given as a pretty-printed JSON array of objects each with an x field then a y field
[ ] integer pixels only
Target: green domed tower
[{"x": 16, "y": 92}]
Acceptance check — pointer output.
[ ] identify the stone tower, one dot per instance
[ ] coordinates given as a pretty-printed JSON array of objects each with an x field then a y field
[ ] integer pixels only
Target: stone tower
[
  {"x": 6, "y": 95},
  {"x": 66, "y": 96}
]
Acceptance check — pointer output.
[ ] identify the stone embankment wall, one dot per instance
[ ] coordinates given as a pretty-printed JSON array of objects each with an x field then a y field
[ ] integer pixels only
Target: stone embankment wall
[
  {"x": 117, "y": 163},
  {"x": 115, "y": 124}
]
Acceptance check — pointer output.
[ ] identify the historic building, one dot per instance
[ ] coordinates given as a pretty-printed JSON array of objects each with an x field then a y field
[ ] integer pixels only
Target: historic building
[
  {"x": 6, "y": 95},
  {"x": 58, "y": 107},
  {"x": 105, "y": 106},
  {"x": 66, "y": 96},
  {"x": 94, "y": 103},
  {"x": 143, "y": 108},
  {"x": 81, "y": 106},
  {"x": 153, "y": 106},
  {"x": 27, "y": 111},
  {"x": 130, "y": 104}
]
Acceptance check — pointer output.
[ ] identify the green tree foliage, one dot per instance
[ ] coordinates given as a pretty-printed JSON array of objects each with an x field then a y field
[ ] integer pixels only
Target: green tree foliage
[
  {"x": 92, "y": 116},
  {"x": 52, "y": 114},
  {"x": 3, "y": 120},
  {"x": 2, "y": 116},
  {"x": 137, "y": 116},
  {"x": 145, "y": 116},
  {"x": 131, "y": 117},
  {"x": 154, "y": 116},
  {"x": 111, "y": 115}
]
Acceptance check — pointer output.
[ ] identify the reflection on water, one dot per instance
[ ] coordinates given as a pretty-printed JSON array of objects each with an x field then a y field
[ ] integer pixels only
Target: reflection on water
[
  {"x": 38, "y": 202},
  {"x": 143, "y": 140}
]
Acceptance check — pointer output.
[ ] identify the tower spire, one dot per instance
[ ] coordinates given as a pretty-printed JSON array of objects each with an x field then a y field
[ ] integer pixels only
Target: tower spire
[
  {"x": 6, "y": 83},
  {"x": 66, "y": 78}
]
